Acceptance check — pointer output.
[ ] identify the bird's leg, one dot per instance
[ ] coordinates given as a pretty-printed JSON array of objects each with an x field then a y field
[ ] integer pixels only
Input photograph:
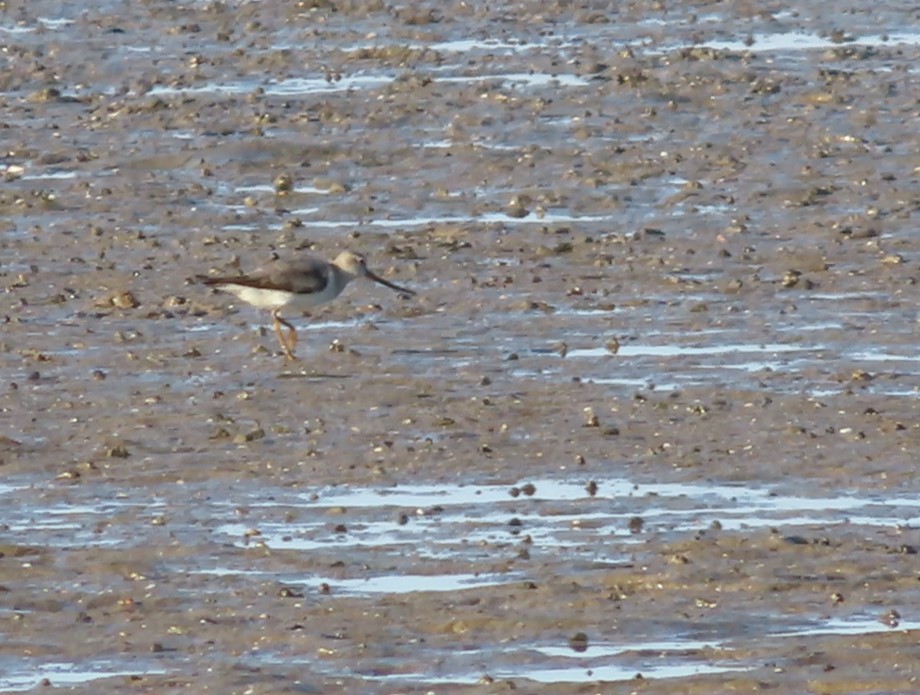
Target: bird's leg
[
  {"x": 291, "y": 336},
  {"x": 289, "y": 341},
  {"x": 276, "y": 324}
]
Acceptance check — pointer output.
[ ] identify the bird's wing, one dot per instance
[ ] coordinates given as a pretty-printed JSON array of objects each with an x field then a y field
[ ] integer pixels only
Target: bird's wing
[{"x": 305, "y": 276}]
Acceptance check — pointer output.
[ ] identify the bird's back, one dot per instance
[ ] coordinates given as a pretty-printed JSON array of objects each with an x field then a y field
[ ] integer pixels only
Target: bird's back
[{"x": 307, "y": 275}]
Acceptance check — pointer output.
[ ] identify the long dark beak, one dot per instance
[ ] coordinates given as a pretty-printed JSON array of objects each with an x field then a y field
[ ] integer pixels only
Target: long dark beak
[{"x": 386, "y": 283}]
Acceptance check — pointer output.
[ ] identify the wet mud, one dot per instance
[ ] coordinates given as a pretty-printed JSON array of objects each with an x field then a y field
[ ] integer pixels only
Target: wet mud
[{"x": 650, "y": 425}]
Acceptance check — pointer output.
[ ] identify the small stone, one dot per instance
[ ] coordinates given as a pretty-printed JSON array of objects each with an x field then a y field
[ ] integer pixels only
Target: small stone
[
  {"x": 284, "y": 184},
  {"x": 516, "y": 208},
  {"x": 891, "y": 618},
  {"x": 289, "y": 592},
  {"x": 579, "y": 642},
  {"x": 591, "y": 419},
  {"x": 791, "y": 278},
  {"x": 125, "y": 300}
]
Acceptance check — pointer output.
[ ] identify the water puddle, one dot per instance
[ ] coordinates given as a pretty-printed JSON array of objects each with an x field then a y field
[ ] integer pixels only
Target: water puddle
[
  {"x": 523, "y": 79},
  {"x": 608, "y": 649},
  {"x": 561, "y": 516},
  {"x": 692, "y": 350},
  {"x": 676, "y": 647},
  {"x": 643, "y": 383},
  {"x": 268, "y": 188},
  {"x": 568, "y": 674},
  {"x": 60, "y": 175},
  {"x": 66, "y": 522},
  {"x": 21, "y": 29},
  {"x": 621, "y": 661},
  {"x": 290, "y": 87},
  {"x": 859, "y": 625},
  {"x": 53, "y": 23},
  {"x": 753, "y": 507},
  {"x": 877, "y": 355},
  {"x": 489, "y": 217},
  {"x": 384, "y": 584},
  {"x": 66, "y": 674},
  {"x": 646, "y": 668},
  {"x": 724, "y": 362},
  {"x": 481, "y": 144},
  {"x": 704, "y": 362},
  {"x": 445, "y": 526},
  {"x": 803, "y": 41},
  {"x": 320, "y": 85},
  {"x": 485, "y": 45}
]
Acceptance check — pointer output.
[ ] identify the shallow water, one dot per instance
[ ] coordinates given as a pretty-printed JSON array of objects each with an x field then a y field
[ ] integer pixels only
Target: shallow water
[
  {"x": 22, "y": 678},
  {"x": 448, "y": 522},
  {"x": 346, "y": 83},
  {"x": 803, "y": 41}
]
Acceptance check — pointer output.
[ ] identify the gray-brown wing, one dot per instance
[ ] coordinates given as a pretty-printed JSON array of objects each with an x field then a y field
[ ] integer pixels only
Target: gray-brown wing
[{"x": 304, "y": 276}]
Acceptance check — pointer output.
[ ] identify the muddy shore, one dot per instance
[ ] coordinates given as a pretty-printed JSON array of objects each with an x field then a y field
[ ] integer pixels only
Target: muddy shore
[{"x": 650, "y": 425}]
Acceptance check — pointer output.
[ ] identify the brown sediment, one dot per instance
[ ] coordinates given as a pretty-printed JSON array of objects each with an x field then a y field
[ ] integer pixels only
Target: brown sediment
[{"x": 640, "y": 258}]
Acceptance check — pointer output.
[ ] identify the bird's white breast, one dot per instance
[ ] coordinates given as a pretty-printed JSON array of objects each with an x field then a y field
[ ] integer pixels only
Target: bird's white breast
[
  {"x": 276, "y": 299},
  {"x": 263, "y": 299}
]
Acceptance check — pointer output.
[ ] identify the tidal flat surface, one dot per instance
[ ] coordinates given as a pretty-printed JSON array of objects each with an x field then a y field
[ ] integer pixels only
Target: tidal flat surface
[{"x": 650, "y": 425}]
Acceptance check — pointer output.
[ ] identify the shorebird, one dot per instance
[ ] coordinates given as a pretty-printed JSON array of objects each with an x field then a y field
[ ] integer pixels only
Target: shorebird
[{"x": 297, "y": 285}]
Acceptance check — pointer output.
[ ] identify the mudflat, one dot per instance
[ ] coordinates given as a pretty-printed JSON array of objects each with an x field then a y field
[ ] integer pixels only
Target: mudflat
[{"x": 650, "y": 425}]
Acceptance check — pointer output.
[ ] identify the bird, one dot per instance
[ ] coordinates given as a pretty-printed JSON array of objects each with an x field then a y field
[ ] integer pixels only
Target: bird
[{"x": 297, "y": 285}]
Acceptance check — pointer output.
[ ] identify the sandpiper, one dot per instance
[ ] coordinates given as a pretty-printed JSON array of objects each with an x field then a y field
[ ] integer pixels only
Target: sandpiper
[{"x": 297, "y": 285}]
